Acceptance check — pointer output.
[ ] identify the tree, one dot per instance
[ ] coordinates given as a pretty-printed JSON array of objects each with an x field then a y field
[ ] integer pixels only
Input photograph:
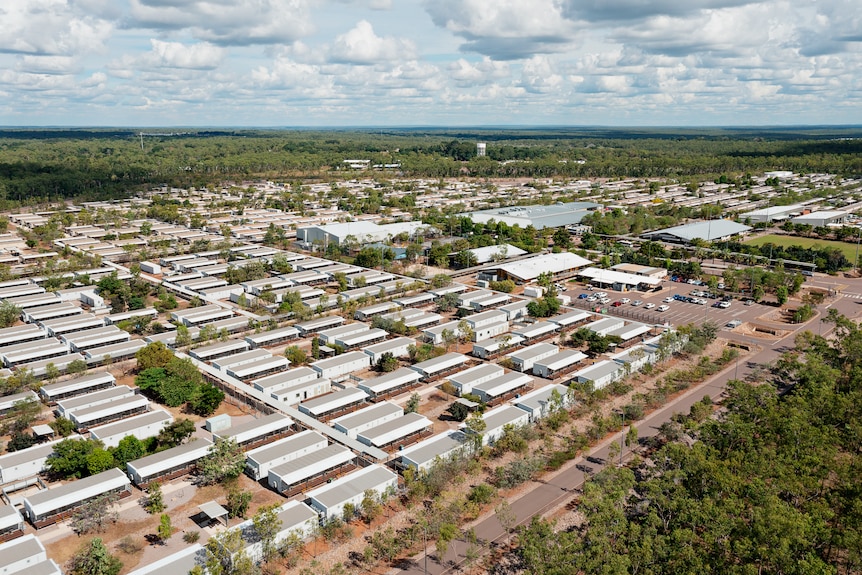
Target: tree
[
  {"x": 165, "y": 528},
  {"x": 387, "y": 363},
  {"x": 176, "y": 433},
  {"x": 266, "y": 527},
  {"x": 9, "y": 313},
  {"x": 154, "y": 355},
  {"x": 77, "y": 367},
  {"x": 95, "y": 514},
  {"x": 93, "y": 559},
  {"x": 413, "y": 404},
  {"x": 458, "y": 411},
  {"x": 315, "y": 348},
  {"x": 237, "y": 502},
  {"x": 62, "y": 426},
  {"x": 781, "y": 295},
  {"x": 225, "y": 460},
  {"x": 295, "y": 355},
  {"x": 440, "y": 280},
  {"x": 20, "y": 440},
  {"x": 99, "y": 460},
  {"x": 476, "y": 426},
  {"x": 225, "y": 554},
  {"x": 370, "y": 506},
  {"x": 69, "y": 459},
  {"x": 206, "y": 400},
  {"x": 154, "y": 502},
  {"x": 507, "y": 518}
]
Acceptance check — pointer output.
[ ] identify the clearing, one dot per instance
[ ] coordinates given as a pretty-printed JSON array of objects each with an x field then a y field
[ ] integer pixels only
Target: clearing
[{"x": 849, "y": 250}]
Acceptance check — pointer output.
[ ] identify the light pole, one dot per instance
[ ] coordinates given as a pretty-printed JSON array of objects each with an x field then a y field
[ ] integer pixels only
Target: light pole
[{"x": 858, "y": 237}]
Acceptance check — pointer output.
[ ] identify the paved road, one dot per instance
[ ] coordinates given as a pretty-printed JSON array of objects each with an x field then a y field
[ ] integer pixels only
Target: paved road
[{"x": 562, "y": 487}]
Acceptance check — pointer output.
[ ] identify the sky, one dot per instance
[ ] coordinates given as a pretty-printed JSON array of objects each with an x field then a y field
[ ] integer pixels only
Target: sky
[{"x": 447, "y": 63}]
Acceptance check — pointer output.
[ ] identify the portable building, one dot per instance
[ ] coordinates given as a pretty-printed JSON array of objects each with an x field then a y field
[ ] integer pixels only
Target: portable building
[
  {"x": 7, "y": 402},
  {"x": 57, "y": 503},
  {"x": 28, "y": 462},
  {"x": 258, "y": 431},
  {"x": 630, "y": 331},
  {"x": 398, "y": 347},
  {"x": 207, "y": 316},
  {"x": 515, "y": 310},
  {"x": 241, "y": 358},
  {"x": 451, "y": 288},
  {"x": 26, "y": 555},
  {"x": 465, "y": 380},
  {"x": 218, "y": 350},
  {"x": 636, "y": 357},
  {"x": 554, "y": 365},
  {"x": 415, "y": 300},
  {"x": 536, "y": 331},
  {"x": 168, "y": 464},
  {"x": 116, "y": 351},
  {"x": 21, "y": 334},
  {"x": 107, "y": 412},
  {"x": 605, "y": 325},
  {"x": 488, "y": 348},
  {"x": 426, "y": 453},
  {"x": 503, "y": 386},
  {"x": 600, "y": 374},
  {"x": 295, "y": 518},
  {"x": 178, "y": 563},
  {"x": 151, "y": 268},
  {"x": 371, "y": 311},
  {"x": 367, "y": 337},
  {"x": 11, "y": 527},
  {"x": 485, "y": 318},
  {"x": 328, "y": 336},
  {"x": 306, "y": 328},
  {"x": 524, "y": 359},
  {"x": 342, "y": 400},
  {"x": 169, "y": 338},
  {"x": 489, "y": 301},
  {"x": 16, "y": 355},
  {"x": 23, "y": 289},
  {"x": 404, "y": 429},
  {"x": 571, "y": 319},
  {"x": 116, "y": 318},
  {"x": 260, "y": 368},
  {"x": 34, "y": 301},
  {"x": 142, "y": 426},
  {"x": 391, "y": 383},
  {"x": 230, "y": 324},
  {"x": 366, "y": 418},
  {"x": 310, "y": 469},
  {"x": 259, "y": 461},
  {"x": 343, "y": 364},
  {"x": 272, "y": 337},
  {"x": 284, "y": 379},
  {"x": 88, "y": 339},
  {"x": 540, "y": 402},
  {"x": 98, "y": 397},
  {"x": 423, "y": 320},
  {"x": 496, "y": 421},
  {"x": 440, "y": 366},
  {"x": 294, "y": 394},
  {"x": 63, "y": 325},
  {"x": 329, "y": 500}
]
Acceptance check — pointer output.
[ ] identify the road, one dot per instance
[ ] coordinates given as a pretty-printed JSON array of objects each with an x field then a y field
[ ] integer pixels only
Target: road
[{"x": 561, "y": 487}]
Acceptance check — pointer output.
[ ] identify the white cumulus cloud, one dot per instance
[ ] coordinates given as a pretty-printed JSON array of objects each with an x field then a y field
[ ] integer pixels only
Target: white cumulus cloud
[{"x": 362, "y": 46}]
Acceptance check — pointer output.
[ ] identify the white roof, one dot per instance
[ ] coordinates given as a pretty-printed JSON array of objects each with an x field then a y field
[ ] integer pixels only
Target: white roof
[
  {"x": 385, "y": 433},
  {"x": 70, "y": 493},
  {"x": 613, "y": 276},
  {"x": 530, "y": 268},
  {"x": 397, "y": 378},
  {"x": 488, "y": 253},
  {"x": 332, "y": 401},
  {"x": 179, "y": 455},
  {"x": 349, "y": 486}
]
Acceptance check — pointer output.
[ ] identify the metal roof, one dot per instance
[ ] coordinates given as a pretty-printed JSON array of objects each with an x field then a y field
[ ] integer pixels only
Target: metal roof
[
  {"x": 530, "y": 268},
  {"x": 345, "y": 488},
  {"x": 313, "y": 463},
  {"x": 613, "y": 276},
  {"x": 185, "y": 453},
  {"x": 365, "y": 416},
  {"x": 539, "y": 216},
  {"x": 286, "y": 446},
  {"x": 395, "y": 429},
  {"x": 428, "y": 450},
  {"x": 708, "y": 230},
  {"x": 75, "y": 491}
]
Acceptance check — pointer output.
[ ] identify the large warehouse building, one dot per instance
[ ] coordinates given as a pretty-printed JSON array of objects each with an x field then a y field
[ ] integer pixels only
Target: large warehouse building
[
  {"x": 710, "y": 231},
  {"x": 538, "y": 216},
  {"x": 362, "y": 232},
  {"x": 561, "y": 265},
  {"x": 823, "y": 218}
]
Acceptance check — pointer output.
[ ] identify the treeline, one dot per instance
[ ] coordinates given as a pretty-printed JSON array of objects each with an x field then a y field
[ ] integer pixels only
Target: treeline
[
  {"x": 769, "y": 486},
  {"x": 45, "y": 165}
]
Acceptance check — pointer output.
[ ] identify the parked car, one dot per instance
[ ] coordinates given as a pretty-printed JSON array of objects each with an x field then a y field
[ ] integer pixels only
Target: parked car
[
  {"x": 749, "y": 302},
  {"x": 720, "y": 285},
  {"x": 669, "y": 299},
  {"x": 807, "y": 273},
  {"x": 663, "y": 307},
  {"x": 724, "y": 304},
  {"x": 733, "y": 323},
  {"x": 584, "y": 296},
  {"x": 650, "y": 305},
  {"x": 637, "y": 302},
  {"x": 617, "y": 303},
  {"x": 605, "y": 300},
  {"x": 593, "y": 298},
  {"x": 625, "y": 300}
]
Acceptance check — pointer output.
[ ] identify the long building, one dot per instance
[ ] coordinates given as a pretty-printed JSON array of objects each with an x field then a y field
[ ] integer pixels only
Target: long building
[{"x": 57, "y": 503}]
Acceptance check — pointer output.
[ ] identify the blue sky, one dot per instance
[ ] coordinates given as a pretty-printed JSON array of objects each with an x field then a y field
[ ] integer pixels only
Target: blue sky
[{"x": 432, "y": 63}]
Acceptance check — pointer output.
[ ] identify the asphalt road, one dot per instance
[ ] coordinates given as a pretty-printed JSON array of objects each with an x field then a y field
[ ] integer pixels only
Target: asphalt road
[{"x": 563, "y": 486}]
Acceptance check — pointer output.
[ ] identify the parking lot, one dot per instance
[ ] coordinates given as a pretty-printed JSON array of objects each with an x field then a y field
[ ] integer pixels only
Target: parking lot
[{"x": 678, "y": 312}]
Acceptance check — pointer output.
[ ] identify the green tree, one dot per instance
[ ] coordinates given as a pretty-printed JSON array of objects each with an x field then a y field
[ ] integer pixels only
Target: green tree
[
  {"x": 315, "y": 348},
  {"x": 9, "y": 313},
  {"x": 206, "y": 400},
  {"x": 237, "y": 502},
  {"x": 154, "y": 503},
  {"x": 77, "y": 367},
  {"x": 62, "y": 427},
  {"x": 266, "y": 527},
  {"x": 165, "y": 529},
  {"x": 387, "y": 363},
  {"x": 295, "y": 355},
  {"x": 69, "y": 459},
  {"x": 154, "y": 355},
  {"x": 93, "y": 558},
  {"x": 781, "y": 295},
  {"x": 99, "y": 460},
  {"x": 413, "y": 404},
  {"x": 225, "y": 460},
  {"x": 175, "y": 433}
]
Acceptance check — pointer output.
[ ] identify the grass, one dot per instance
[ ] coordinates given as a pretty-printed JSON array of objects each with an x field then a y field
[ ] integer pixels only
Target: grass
[{"x": 848, "y": 249}]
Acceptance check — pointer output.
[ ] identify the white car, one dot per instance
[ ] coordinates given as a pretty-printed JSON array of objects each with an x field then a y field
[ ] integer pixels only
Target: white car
[
  {"x": 724, "y": 304},
  {"x": 605, "y": 300},
  {"x": 663, "y": 307},
  {"x": 668, "y": 299},
  {"x": 650, "y": 305},
  {"x": 625, "y": 300},
  {"x": 601, "y": 294},
  {"x": 593, "y": 298},
  {"x": 637, "y": 302}
]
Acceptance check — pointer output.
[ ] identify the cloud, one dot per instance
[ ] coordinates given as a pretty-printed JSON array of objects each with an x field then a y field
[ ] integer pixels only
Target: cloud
[
  {"x": 505, "y": 29},
  {"x": 226, "y": 22},
  {"x": 203, "y": 56},
  {"x": 362, "y": 46},
  {"x": 50, "y": 27},
  {"x": 629, "y": 10}
]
